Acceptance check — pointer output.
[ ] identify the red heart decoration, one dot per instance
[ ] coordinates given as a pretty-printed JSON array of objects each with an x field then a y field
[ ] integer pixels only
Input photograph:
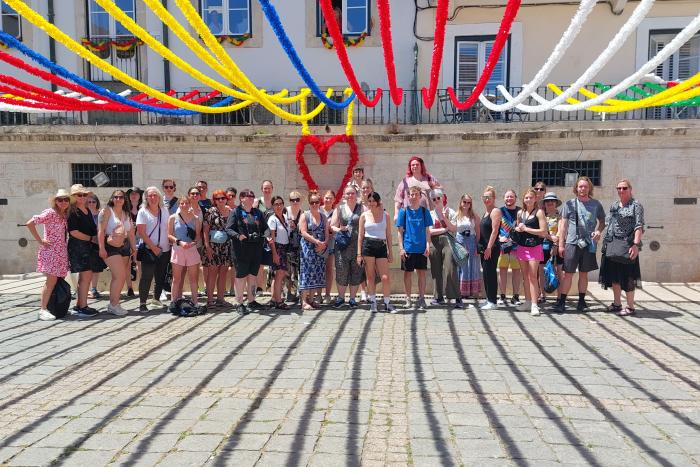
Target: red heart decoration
[{"x": 321, "y": 148}]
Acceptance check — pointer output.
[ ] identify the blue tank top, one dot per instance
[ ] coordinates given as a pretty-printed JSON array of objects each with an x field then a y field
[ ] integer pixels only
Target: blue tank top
[{"x": 180, "y": 229}]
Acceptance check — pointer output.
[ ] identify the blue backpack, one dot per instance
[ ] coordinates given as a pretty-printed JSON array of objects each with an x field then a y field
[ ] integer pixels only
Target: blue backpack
[{"x": 551, "y": 281}]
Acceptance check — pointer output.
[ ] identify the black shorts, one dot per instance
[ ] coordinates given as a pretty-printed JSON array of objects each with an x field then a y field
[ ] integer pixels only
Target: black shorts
[
  {"x": 374, "y": 247},
  {"x": 579, "y": 258},
  {"x": 84, "y": 256},
  {"x": 123, "y": 250},
  {"x": 247, "y": 258},
  {"x": 414, "y": 261}
]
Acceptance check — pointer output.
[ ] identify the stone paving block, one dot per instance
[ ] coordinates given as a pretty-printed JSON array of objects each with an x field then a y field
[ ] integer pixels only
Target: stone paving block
[
  {"x": 126, "y": 426},
  {"x": 7, "y": 452},
  {"x": 186, "y": 458},
  {"x": 82, "y": 458},
  {"x": 143, "y": 460},
  {"x": 36, "y": 456},
  {"x": 245, "y": 441},
  {"x": 106, "y": 441},
  {"x": 207, "y": 443},
  {"x": 479, "y": 448},
  {"x": 59, "y": 439},
  {"x": 153, "y": 442},
  {"x": 276, "y": 459}
]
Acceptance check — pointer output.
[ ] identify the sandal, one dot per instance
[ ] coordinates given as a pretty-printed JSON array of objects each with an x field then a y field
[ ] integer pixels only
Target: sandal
[
  {"x": 281, "y": 306},
  {"x": 627, "y": 311},
  {"x": 211, "y": 303},
  {"x": 222, "y": 302},
  {"x": 613, "y": 308}
]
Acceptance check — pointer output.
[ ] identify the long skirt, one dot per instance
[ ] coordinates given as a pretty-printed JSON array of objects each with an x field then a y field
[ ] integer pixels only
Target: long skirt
[
  {"x": 313, "y": 268},
  {"x": 470, "y": 273}
]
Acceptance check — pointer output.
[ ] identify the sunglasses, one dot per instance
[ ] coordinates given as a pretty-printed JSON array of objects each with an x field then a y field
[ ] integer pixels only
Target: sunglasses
[
  {"x": 623, "y": 188},
  {"x": 436, "y": 199},
  {"x": 62, "y": 200},
  {"x": 538, "y": 189},
  {"x": 92, "y": 201},
  {"x": 294, "y": 200},
  {"x": 200, "y": 187},
  {"x": 247, "y": 196},
  {"x": 117, "y": 197},
  {"x": 169, "y": 187},
  {"x": 314, "y": 202},
  {"x": 466, "y": 202},
  {"x": 80, "y": 195},
  {"x": 485, "y": 198},
  {"x": 221, "y": 198}
]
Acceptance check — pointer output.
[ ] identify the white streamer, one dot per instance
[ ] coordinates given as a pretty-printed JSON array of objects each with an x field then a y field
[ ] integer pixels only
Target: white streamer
[
  {"x": 560, "y": 49},
  {"x": 615, "y": 44}
]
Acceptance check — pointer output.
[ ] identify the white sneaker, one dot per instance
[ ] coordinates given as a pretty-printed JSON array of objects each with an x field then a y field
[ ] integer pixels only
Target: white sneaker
[
  {"x": 156, "y": 303},
  {"x": 500, "y": 302},
  {"x": 488, "y": 306},
  {"x": 163, "y": 296},
  {"x": 373, "y": 306},
  {"x": 363, "y": 296},
  {"x": 534, "y": 310},
  {"x": 116, "y": 310},
  {"x": 524, "y": 306},
  {"x": 407, "y": 304},
  {"x": 46, "y": 315}
]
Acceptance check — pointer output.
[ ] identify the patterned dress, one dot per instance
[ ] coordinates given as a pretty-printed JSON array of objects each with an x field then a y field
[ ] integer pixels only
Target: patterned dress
[
  {"x": 53, "y": 259},
  {"x": 222, "y": 251},
  {"x": 313, "y": 265},
  {"x": 470, "y": 273}
]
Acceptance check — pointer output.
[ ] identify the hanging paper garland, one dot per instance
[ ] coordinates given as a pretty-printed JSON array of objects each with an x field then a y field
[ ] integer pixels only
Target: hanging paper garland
[
  {"x": 348, "y": 41},
  {"x": 235, "y": 40},
  {"x": 438, "y": 46},
  {"x": 121, "y": 45},
  {"x": 384, "y": 11},
  {"x": 323, "y": 146}
]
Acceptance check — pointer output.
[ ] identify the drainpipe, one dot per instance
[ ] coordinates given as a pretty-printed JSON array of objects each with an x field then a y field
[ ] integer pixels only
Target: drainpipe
[
  {"x": 52, "y": 42},
  {"x": 414, "y": 86},
  {"x": 166, "y": 63}
]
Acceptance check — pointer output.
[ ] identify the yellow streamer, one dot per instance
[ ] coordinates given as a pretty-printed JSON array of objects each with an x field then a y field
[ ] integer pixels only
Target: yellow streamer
[
  {"x": 201, "y": 28},
  {"x": 679, "y": 92},
  {"x": 305, "y": 131},
  {"x": 678, "y": 97},
  {"x": 166, "y": 53},
  {"x": 37, "y": 20}
]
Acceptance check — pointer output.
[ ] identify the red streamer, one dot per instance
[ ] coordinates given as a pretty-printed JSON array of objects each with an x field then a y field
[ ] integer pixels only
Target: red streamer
[
  {"x": 321, "y": 148},
  {"x": 334, "y": 30},
  {"x": 503, "y": 31},
  {"x": 438, "y": 46},
  {"x": 387, "y": 44}
]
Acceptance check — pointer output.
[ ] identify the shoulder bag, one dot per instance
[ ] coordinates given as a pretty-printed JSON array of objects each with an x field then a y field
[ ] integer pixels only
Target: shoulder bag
[
  {"x": 145, "y": 254},
  {"x": 617, "y": 249}
]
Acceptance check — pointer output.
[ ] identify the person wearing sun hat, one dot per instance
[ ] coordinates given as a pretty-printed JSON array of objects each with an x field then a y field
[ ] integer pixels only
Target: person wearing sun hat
[
  {"x": 52, "y": 259},
  {"x": 550, "y": 205},
  {"x": 82, "y": 247}
]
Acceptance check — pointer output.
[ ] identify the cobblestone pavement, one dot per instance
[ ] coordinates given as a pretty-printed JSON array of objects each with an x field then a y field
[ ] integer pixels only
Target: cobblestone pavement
[{"x": 340, "y": 387}]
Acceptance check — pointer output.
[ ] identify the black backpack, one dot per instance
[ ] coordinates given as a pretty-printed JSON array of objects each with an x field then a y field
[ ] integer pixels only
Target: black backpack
[
  {"x": 60, "y": 298},
  {"x": 185, "y": 307}
]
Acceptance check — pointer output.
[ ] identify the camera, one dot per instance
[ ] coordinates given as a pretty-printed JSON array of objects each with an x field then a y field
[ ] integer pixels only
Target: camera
[
  {"x": 254, "y": 236},
  {"x": 582, "y": 243}
]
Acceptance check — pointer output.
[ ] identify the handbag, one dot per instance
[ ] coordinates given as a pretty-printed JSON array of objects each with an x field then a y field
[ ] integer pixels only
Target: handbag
[
  {"x": 459, "y": 253},
  {"x": 191, "y": 234},
  {"x": 218, "y": 236},
  {"x": 617, "y": 249},
  {"x": 145, "y": 254},
  {"x": 342, "y": 240},
  {"x": 551, "y": 281}
]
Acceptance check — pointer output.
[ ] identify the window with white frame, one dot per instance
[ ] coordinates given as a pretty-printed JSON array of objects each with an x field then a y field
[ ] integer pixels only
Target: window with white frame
[
  {"x": 471, "y": 53},
  {"x": 103, "y": 25},
  {"x": 353, "y": 16},
  {"x": 10, "y": 21},
  {"x": 227, "y": 17},
  {"x": 683, "y": 63}
]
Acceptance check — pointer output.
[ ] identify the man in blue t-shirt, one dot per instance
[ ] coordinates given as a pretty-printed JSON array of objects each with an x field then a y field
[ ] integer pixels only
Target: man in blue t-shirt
[{"x": 413, "y": 223}]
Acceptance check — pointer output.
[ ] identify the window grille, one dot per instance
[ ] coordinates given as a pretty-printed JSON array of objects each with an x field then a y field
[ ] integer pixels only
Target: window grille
[
  {"x": 553, "y": 173},
  {"x": 119, "y": 174}
]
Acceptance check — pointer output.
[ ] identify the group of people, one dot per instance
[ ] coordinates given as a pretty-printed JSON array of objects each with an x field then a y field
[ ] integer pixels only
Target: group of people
[{"x": 266, "y": 241}]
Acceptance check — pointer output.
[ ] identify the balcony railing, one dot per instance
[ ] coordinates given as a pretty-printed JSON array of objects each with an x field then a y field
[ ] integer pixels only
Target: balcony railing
[{"x": 409, "y": 112}]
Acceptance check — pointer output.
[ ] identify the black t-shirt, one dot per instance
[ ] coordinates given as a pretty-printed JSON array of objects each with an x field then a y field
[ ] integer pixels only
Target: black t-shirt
[
  {"x": 205, "y": 204},
  {"x": 82, "y": 222}
]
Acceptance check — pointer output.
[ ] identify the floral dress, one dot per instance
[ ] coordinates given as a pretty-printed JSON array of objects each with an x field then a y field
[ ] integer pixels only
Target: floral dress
[
  {"x": 470, "y": 273},
  {"x": 53, "y": 259},
  {"x": 222, "y": 251},
  {"x": 313, "y": 265}
]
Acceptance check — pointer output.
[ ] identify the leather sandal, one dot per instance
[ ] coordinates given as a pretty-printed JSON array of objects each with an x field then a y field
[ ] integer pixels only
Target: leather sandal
[
  {"x": 613, "y": 308},
  {"x": 627, "y": 312}
]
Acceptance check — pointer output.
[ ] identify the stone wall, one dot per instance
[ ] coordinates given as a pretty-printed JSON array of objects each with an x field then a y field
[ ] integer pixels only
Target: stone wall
[{"x": 659, "y": 157}]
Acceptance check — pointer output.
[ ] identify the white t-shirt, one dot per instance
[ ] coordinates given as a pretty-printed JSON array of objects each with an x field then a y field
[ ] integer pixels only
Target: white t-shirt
[
  {"x": 464, "y": 224},
  {"x": 281, "y": 233},
  {"x": 145, "y": 217}
]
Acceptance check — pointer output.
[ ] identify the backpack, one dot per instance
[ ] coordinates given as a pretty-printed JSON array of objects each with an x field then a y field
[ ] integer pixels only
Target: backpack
[
  {"x": 60, "y": 298},
  {"x": 551, "y": 281},
  {"x": 185, "y": 307}
]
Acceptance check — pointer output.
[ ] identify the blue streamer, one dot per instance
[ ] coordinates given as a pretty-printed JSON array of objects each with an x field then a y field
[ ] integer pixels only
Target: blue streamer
[
  {"x": 276, "y": 24},
  {"x": 11, "y": 41}
]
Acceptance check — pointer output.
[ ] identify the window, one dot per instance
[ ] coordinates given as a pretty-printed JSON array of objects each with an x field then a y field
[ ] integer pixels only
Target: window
[
  {"x": 227, "y": 17},
  {"x": 471, "y": 53},
  {"x": 353, "y": 16},
  {"x": 102, "y": 24},
  {"x": 10, "y": 21},
  {"x": 684, "y": 63},
  {"x": 553, "y": 173},
  {"x": 119, "y": 174}
]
